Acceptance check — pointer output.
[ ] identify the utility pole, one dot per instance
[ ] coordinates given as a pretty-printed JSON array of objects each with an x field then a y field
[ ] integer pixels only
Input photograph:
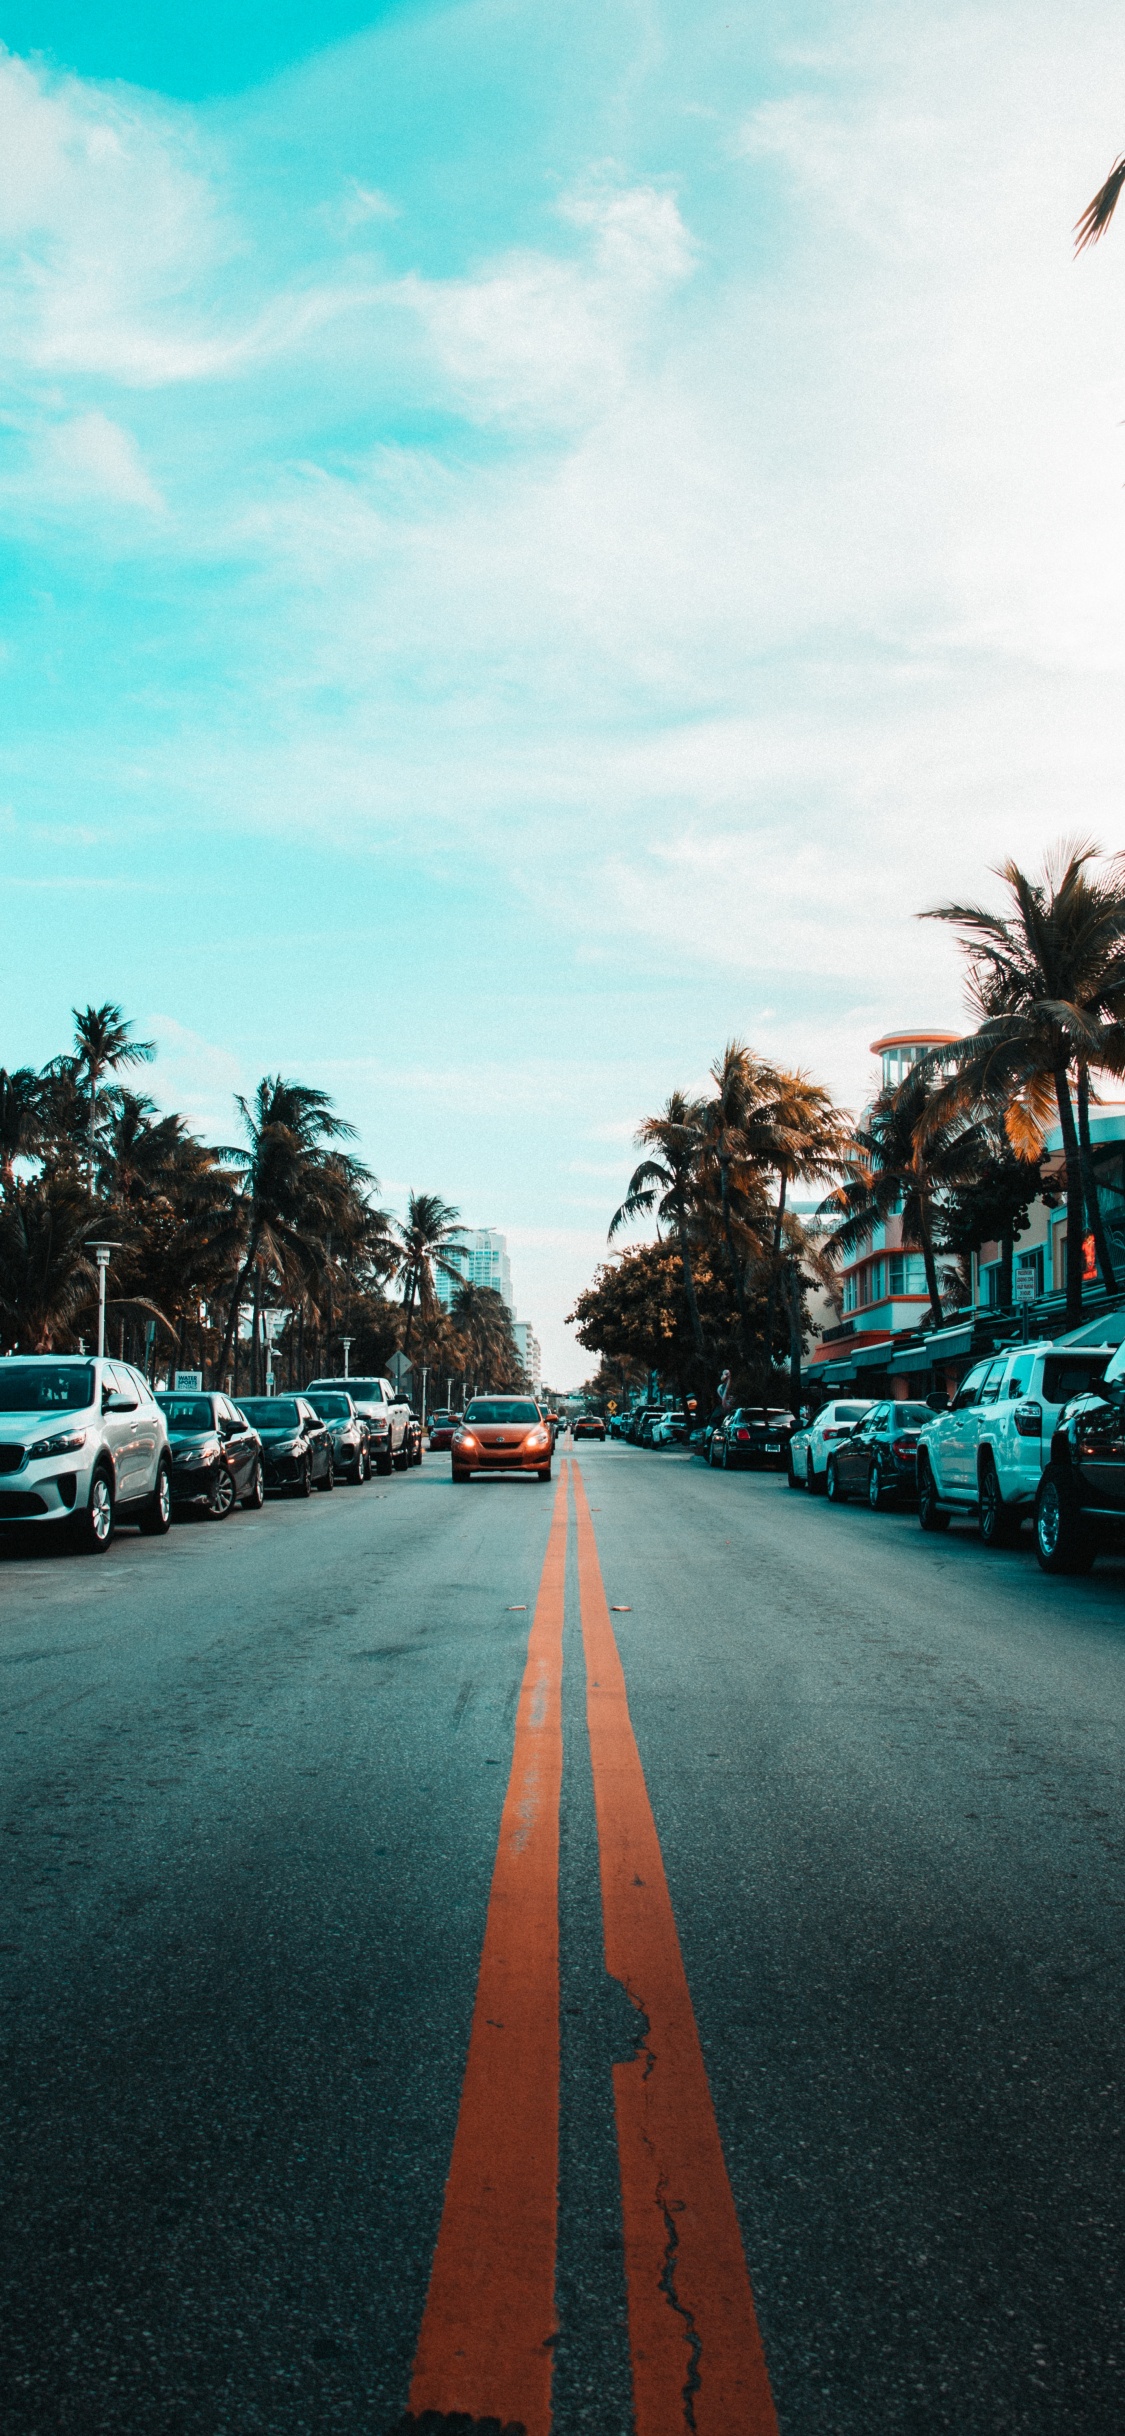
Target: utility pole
[{"x": 102, "y": 1253}]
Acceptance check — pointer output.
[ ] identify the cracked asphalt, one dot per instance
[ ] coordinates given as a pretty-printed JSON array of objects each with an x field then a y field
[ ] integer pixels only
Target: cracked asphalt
[{"x": 253, "y": 1778}]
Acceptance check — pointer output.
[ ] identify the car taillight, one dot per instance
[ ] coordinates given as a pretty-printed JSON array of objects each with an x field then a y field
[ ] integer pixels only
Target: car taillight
[
  {"x": 1028, "y": 1419},
  {"x": 840, "y": 1432},
  {"x": 904, "y": 1448},
  {"x": 744, "y": 1435}
]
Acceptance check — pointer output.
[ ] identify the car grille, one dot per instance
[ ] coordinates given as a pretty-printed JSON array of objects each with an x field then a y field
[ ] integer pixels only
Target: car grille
[
  {"x": 17, "y": 1504},
  {"x": 11, "y": 1458}
]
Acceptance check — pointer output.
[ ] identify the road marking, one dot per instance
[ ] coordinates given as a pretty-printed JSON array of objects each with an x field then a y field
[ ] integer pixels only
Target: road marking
[
  {"x": 698, "y": 2362},
  {"x": 485, "y": 2347}
]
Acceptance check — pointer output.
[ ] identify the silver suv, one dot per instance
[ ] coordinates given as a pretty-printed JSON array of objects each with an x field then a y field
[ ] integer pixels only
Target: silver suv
[
  {"x": 387, "y": 1418},
  {"x": 985, "y": 1455},
  {"x": 82, "y": 1443}
]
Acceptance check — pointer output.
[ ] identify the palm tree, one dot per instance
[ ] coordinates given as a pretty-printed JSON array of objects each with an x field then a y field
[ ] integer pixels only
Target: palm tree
[
  {"x": 431, "y": 1225},
  {"x": 288, "y": 1128},
  {"x": 906, "y": 1158},
  {"x": 21, "y": 1118},
  {"x": 46, "y": 1274},
  {"x": 667, "y": 1183},
  {"x": 737, "y": 1132},
  {"x": 1048, "y": 981},
  {"x": 103, "y": 1044},
  {"x": 480, "y": 1316},
  {"x": 1097, "y": 216}
]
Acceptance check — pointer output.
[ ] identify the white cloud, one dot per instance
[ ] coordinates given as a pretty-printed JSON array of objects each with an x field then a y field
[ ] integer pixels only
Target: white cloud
[{"x": 92, "y": 453}]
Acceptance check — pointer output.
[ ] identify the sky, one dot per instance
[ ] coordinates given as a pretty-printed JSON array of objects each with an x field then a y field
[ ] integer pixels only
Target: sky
[{"x": 536, "y": 541}]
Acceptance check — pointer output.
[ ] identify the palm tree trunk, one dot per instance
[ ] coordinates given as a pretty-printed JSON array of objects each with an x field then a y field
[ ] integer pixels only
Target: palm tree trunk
[
  {"x": 735, "y": 1270},
  {"x": 932, "y": 1287},
  {"x": 236, "y": 1303},
  {"x": 255, "y": 1334},
  {"x": 1075, "y": 1205},
  {"x": 1089, "y": 1179},
  {"x": 410, "y": 1312},
  {"x": 689, "y": 1285},
  {"x": 791, "y": 1289},
  {"x": 775, "y": 1268}
]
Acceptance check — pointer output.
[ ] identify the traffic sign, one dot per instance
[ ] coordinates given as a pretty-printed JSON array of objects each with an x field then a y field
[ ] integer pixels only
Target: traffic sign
[
  {"x": 400, "y": 1369},
  {"x": 1025, "y": 1285}
]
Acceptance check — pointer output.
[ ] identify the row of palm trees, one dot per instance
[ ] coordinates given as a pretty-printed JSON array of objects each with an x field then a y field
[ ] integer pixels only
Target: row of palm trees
[
  {"x": 225, "y": 1256},
  {"x": 957, "y": 1151}
]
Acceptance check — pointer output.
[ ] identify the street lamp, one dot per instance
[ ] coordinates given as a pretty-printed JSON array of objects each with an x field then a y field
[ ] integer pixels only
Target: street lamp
[
  {"x": 101, "y": 1252},
  {"x": 347, "y": 1342}
]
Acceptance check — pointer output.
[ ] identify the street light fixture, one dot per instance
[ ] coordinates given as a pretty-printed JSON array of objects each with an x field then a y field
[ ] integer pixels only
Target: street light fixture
[
  {"x": 102, "y": 1253},
  {"x": 347, "y": 1342}
]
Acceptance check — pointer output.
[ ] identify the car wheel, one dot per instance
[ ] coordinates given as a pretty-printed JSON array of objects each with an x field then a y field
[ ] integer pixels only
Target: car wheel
[
  {"x": 545, "y": 1473},
  {"x": 303, "y": 1487},
  {"x": 1062, "y": 1540},
  {"x": 383, "y": 1466},
  {"x": 998, "y": 1527},
  {"x": 255, "y": 1496},
  {"x": 878, "y": 1494},
  {"x": 158, "y": 1518},
  {"x": 930, "y": 1514},
  {"x": 93, "y": 1528},
  {"x": 834, "y": 1487},
  {"x": 329, "y": 1480},
  {"x": 222, "y": 1497},
  {"x": 401, "y": 1461},
  {"x": 462, "y": 1475}
]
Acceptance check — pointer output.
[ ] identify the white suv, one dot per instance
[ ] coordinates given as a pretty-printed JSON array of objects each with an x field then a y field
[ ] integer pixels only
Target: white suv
[
  {"x": 985, "y": 1454},
  {"x": 82, "y": 1442},
  {"x": 386, "y": 1415}
]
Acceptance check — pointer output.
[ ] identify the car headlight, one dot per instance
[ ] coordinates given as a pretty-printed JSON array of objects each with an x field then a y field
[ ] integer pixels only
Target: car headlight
[
  {"x": 537, "y": 1437},
  {"x": 67, "y": 1443},
  {"x": 199, "y": 1454},
  {"x": 465, "y": 1438}
]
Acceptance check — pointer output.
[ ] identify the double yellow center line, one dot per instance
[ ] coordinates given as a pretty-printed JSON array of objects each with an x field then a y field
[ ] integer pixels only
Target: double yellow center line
[{"x": 488, "y": 2332}]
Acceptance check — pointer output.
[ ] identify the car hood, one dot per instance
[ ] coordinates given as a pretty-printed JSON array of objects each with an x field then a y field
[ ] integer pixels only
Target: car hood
[
  {"x": 193, "y": 1438},
  {"x": 28, "y": 1425}
]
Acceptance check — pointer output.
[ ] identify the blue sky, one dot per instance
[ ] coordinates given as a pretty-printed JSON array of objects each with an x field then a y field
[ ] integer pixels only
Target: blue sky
[{"x": 536, "y": 540}]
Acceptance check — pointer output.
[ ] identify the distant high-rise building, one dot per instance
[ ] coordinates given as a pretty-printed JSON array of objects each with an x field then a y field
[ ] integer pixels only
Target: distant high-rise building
[
  {"x": 530, "y": 1354},
  {"x": 480, "y": 1257}
]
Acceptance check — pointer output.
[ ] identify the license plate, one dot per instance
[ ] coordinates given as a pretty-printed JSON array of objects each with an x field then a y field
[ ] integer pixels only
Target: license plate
[{"x": 773, "y": 1446}]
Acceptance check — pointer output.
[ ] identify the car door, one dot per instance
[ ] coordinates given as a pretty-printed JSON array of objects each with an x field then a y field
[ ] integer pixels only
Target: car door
[
  {"x": 854, "y": 1454},
  {"x": 977, "y": 1419},
  {"x": 1018, "y": 1454},
  {"x": 148, "y": 1437},
  {"x": 119, "y": 1429},
  {"x": 318, "y": 1438},
  {"x": 239, "y": 1441},
  {"x": 950, "y": 1446}
]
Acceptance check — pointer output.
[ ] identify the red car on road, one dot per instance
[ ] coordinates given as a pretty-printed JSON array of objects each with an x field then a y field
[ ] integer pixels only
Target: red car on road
[{"x": 441, "y": 1426}]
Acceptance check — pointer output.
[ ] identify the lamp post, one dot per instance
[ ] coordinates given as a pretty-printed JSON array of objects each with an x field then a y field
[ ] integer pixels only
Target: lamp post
[
  {"x": 102, "y": 1252},
  {"x": 347, "y": 1342}
]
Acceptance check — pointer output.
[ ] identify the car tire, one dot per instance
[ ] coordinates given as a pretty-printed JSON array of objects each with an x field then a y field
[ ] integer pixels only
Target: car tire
[
  {"x": 814, "y": 1480},
  {"x": 461, "y": 1475},
  {"x": 544, "y": 1473},
  {"x": 303, "y": 1486},
  {"x": 157, "y": 1517},
  {"x": 878, "y": 1494},
  {"x": 401, "y": 1461},
  {"x": 383, "y": 1466},
  {"x": 93, "y": 1528},
  {"x": 1062, "y": 1540},
  {"x": 255, "y": 1497},
  {"x": 999, "y": 1527},
  {"x": 329, "y": 1480},
  {"x": 222, "y": 1499},
  {"x": 834, "y": 1489},
  {"x": 930, "y": 1515}
]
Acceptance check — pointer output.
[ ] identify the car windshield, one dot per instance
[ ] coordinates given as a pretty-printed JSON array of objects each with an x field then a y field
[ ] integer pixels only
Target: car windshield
[
  {"x": 502, "y": 1412},
  {"x": 186, "y": 1414},
  {"x": 442, "y": 1416},
  {"x": 910, "y": 1416},
  {"x": 39, "y": 1387},
  {"x": 331, "y": 1408},
  {"x": 366, "y": 1391},
  {"x": 270, "y": 1412}
]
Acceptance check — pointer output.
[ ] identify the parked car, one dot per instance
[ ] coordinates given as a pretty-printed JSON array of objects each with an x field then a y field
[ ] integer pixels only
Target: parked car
[
  {"x": 878, "y": 1458},
  {"x": 351, "y": 1438},
  {"x": 985, "y": 1455},
  {"x": 442, "y": 1425},
  {"x": 618, "y": 1425},
  {"x": 502, "y": 1434},
  {"x": 637, "y": 1420},
  {"x": 216, "y": 1455},
  {"x": 670, "y": 1430},
  {"x": 809, "y": 1448},
  {"x": 83, "y": 1444},
  {"x": 754, "y": 1436},
  {"x": 296, "y": 1444},
  {"x": 379, "y": 1404},
  {"x": 589, "y": 1425},
  {"x": 1080, "y": 1501}
]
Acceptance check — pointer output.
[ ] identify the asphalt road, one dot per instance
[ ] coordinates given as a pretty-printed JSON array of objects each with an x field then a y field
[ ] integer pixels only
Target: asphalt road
[{"x": 253, "y": 1783}]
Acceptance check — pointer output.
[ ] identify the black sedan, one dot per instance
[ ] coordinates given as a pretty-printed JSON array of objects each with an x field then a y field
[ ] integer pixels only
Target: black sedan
[
  {"x": 216, "y": 1454},
  {"x": 755, "y": 1436},
  {"x": 296, "y": 1445},
  {"x": 351, "y": 1438},
  {"x": 879, "y": 1458}
]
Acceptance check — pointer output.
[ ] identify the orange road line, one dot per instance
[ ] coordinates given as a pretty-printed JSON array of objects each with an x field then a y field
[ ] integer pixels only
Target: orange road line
[
  {"x": 486, "y": 2344},
  {"x": 697, "y": 2355}
]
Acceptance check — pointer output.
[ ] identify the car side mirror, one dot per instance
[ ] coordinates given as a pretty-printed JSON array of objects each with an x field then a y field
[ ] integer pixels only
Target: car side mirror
[{"x": 115, "y": 1402}]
